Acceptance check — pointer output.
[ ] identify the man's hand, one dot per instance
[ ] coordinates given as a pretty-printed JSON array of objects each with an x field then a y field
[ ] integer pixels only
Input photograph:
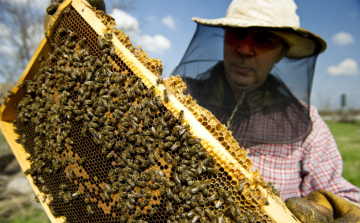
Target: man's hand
[
  {"x": 98, "y": 4},
  {"x": 323, "y": 207}
]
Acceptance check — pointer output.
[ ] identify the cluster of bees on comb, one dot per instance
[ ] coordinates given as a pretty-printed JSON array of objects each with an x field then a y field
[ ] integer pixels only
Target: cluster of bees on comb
[{"x": 103, "y": 147}]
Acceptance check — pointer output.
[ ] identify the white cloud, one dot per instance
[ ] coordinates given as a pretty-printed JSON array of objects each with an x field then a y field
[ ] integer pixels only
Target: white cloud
[
  {"x": 36, "y": 4},
  {"x": 130, "y": 25},
  {"x": 345, "y": 67},
  {"x": 157, "y": 43},
  {"x": 7, "y": 50},
  {"x": 5, "y": 31},
  {"x": 169, "y": 22},
  {"x": 124, "y": 21},
  {"x": 342, "y": 38}
]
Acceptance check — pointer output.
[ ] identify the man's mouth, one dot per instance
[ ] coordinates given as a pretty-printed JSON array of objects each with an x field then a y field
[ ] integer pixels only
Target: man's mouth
[{"x": 242, "y": 69}]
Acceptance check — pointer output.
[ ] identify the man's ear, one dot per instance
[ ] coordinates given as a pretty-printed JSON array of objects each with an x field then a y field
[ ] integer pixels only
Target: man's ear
[{"x": 283, "y": 52}]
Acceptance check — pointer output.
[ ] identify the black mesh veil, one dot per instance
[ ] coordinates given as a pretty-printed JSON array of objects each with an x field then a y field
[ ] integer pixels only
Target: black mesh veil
[{"x": 277, "y": 113}]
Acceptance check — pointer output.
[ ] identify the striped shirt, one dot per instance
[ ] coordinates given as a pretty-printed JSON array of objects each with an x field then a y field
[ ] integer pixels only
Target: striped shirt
[{"x": 299, "y": 168}]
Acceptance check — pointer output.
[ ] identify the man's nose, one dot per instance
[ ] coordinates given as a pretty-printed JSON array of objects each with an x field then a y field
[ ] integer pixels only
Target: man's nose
[{"x": 246, "y": 47}]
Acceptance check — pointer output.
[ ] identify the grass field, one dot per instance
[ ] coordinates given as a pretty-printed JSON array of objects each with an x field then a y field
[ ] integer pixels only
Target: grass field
[{"x": 347, "y": 137}]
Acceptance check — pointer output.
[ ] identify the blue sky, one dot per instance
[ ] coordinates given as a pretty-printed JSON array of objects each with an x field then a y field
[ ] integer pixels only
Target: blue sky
[{"x": 164, "y": 29}]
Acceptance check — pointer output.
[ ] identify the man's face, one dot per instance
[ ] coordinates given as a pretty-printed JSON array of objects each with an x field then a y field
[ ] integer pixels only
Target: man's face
[{"x": 249, "y": 55}]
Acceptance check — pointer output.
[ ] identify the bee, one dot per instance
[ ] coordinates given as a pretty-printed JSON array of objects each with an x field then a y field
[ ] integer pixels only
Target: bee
[
  {"x": 106, "y": 195},
  {"x": 144, "y": 202},
  {"x": 108, "y": 35},
  {"x": 200, "y": 199},
  {"x": 159, "y": 81},
  {"x": 71, "y": 174},
  {"x": 154, "y": 186},
  {"x": 82, "y": 41},
  {"x": 107, "y": 188},
  {"x": 164, "y": 133},
  {"x": 50, "y": 197},
  {"x": 129, "y": 206},
  {"x": 212, "y": 198},
  {"x": 81, "y": 161},
  {"x": 219, "y": 203},
  {"x": 168, "y": 157},
  {"x": 36, "y": 198},
  {"x": 146, "y": 121},
  {"x": 181, "y": 116},
  {"x": 137, "y": 214},
  {"x": 52, "y": 209},
  {"x": 166, "y": 96},
  {"x": 241, "y": 185},
  {"x": 87, "y": 198},
  {"x": 78, "y": 64},
  {"x": 169, "y": 208},
  {"x": 276, "y": 192},
  {"x": 45, "y": 189},
  {"x": 89, "y": 210},
  {"x": 160, "y": 70},
  {"x": 152, "y": 211},
  {"x": 150, "y": 91},
  {"x": 41, "y": 180},
  {"x": 171, "y": 138},
  {"x": 76, "y": 194},
  {"x": 112, "y": 51},
  {"x": 62, "y": 30},
  {"x": 101, "y": 42},
  {"x": 69, "y": 141}
]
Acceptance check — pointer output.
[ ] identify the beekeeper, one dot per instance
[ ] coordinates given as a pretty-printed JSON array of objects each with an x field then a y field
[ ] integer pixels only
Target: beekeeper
[{"x": 253, "y": 69}]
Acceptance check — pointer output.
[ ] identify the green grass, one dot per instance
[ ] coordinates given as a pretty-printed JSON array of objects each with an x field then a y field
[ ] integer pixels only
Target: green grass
[
  {"x": 347, "y": 137},
  {"x": 30, "y": 214}
]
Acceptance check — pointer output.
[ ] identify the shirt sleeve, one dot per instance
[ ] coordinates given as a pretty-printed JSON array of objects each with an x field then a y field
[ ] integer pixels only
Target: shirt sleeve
[{"x": 322, "y": 164}]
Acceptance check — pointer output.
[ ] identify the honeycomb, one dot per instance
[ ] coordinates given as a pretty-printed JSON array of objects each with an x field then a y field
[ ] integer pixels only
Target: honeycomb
[{"x": 108, "y": 143}]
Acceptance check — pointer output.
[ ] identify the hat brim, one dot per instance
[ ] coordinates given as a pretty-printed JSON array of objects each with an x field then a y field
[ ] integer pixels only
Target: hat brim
[{"x": 302, "y": 43}]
